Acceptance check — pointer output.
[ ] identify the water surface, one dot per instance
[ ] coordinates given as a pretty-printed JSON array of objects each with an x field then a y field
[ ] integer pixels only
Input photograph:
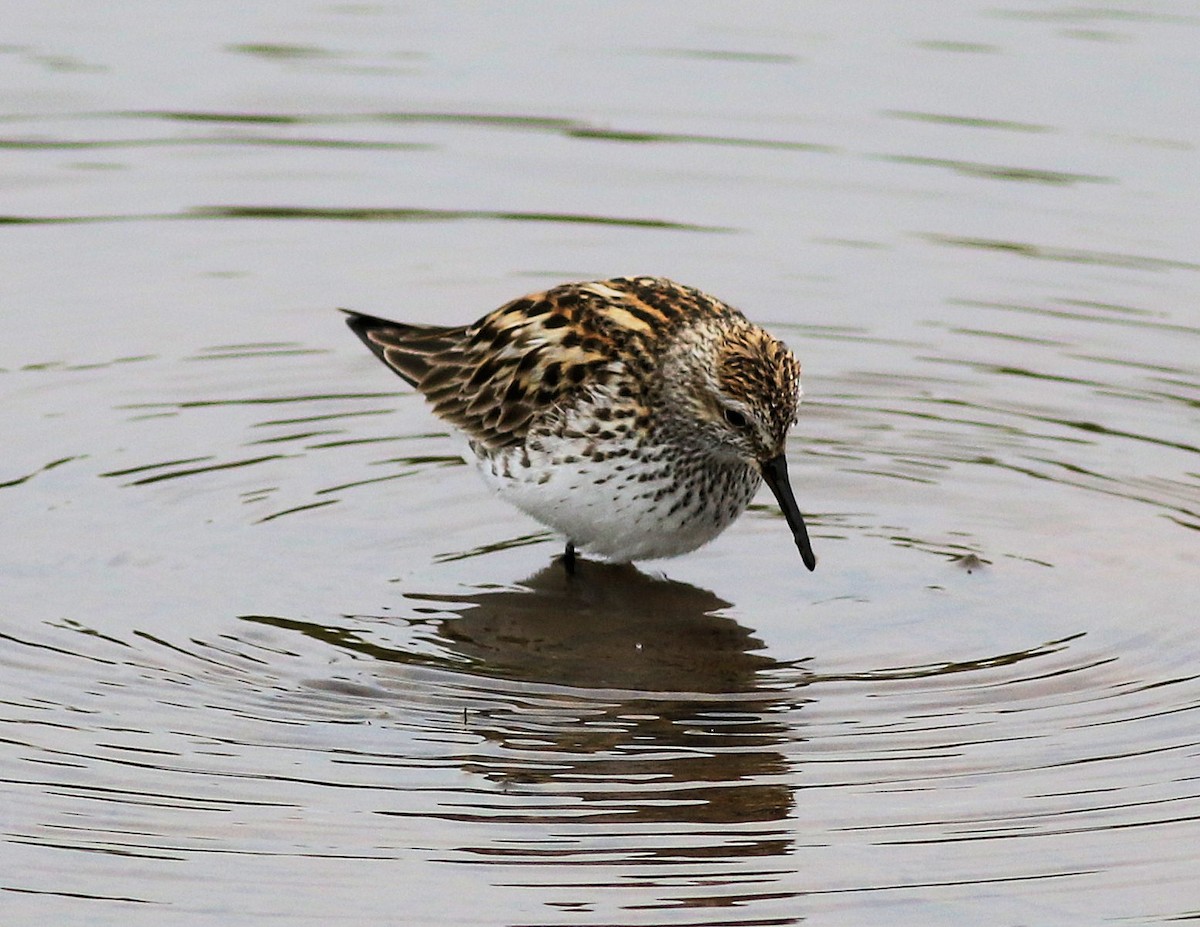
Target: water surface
[{"x": 271, "y": 653}]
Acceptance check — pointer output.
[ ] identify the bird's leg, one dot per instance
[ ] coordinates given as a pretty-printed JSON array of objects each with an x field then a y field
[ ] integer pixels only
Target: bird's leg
[{"x": 569, "y": 558}]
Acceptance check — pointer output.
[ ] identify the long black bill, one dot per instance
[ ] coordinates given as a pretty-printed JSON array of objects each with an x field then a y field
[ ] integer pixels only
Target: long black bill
[{"x": 774, "y": 471}]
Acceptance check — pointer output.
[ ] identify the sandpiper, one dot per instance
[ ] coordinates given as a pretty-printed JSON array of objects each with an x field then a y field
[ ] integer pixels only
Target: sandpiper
[{"x": 635, "y": 416}]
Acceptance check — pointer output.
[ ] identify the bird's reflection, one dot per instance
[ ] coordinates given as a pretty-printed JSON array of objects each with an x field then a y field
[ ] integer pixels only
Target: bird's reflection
[
  {"x": 657, "y": 711},
  {"x": 595, "y": 702},
  {"x": 609, "y": 626}
]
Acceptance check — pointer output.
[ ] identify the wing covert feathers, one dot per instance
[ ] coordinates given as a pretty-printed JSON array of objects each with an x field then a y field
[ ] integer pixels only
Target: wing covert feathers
[{"x": 494, "y": 378}]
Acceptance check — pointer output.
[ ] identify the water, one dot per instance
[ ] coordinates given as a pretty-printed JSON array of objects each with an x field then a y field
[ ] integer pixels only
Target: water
[{"x": 270, "y": 653}]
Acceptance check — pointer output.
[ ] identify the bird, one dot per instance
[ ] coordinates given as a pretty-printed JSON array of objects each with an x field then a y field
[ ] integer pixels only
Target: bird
[{"x": 635, "y": 416}]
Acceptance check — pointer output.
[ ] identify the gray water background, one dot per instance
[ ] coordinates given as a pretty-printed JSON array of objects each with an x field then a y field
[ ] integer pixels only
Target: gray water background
[{"x": 270, "y": 654}]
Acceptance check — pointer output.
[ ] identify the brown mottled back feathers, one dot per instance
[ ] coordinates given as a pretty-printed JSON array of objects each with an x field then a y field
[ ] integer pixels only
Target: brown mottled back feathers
[{"x": 493, "y": 378}]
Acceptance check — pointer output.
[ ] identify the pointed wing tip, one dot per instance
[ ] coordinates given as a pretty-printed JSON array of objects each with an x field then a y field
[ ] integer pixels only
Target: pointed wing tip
[
  {"x": 363, "y": 325},
  {"x": 360, "y": 322}
]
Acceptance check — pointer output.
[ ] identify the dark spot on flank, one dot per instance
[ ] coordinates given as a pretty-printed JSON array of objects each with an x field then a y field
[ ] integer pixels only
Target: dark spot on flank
[
  {"x": 515, "y": 392},
  {"x": 556, "y": 320},
  {"x": 526, "y": 307},
  {"x": 577, "y": 373},
  {"x": 570, "y": 339},
  {"x": 552, "y": 374},
  {"x": 545, "y": 396},
  {"x": 591, "y": 345},
  {"x": 529, "y": 361}
]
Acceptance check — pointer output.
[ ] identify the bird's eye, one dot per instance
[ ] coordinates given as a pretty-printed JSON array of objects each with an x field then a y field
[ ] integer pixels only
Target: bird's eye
[{"x": 735, "y": 418}]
